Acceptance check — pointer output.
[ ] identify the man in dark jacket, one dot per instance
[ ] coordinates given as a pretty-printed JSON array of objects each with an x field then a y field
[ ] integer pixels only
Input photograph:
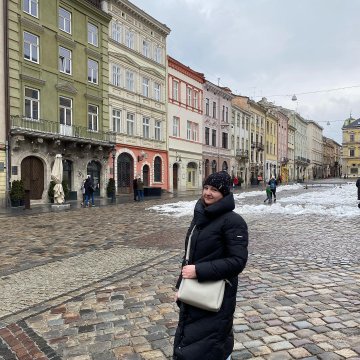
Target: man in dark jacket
[
  {"x": 273, "y": 183},
  {"x": 218, "y": 251},
  {"x": 358, "y": 187},
  {"x": 89, "y": 191},
  {"x": 135, "y": 188}
]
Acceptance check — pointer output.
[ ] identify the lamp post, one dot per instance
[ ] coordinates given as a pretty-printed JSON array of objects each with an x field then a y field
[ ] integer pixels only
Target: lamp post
[{"x": 113, "y": 154}]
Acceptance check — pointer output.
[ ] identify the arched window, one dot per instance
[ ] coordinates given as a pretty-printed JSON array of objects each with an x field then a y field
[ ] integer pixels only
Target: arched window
[
  {"x": 157, "y": 169},
  {"x": 213, "y": 166},
  {"x": 224, "y": 166}
]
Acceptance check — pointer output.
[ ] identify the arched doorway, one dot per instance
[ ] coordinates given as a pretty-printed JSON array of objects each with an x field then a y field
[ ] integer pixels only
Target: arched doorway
[
  {"x": 125, "y": 175},
  {"x": 224, "y": 166},
  {"x": 32, "y": 175},
  {"x": 175, "y": 176},
  {"x": 94, "y": 170},
  {"x": 191, "y": 175},
  {"x": 146, "y": 175},
  {"x": 207, "y": 168},
  {"x": 67, "y": 173},
  {"x": 213, "y": 166}
]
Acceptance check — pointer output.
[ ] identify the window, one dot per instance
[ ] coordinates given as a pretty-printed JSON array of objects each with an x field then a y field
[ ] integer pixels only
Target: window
[
  {"x": 157, "y": 130},
  {"x": 188, "y": 130},
  {"x": 213, "y": 135},
  {"x": 158, "y": 54},
  {"x": 207, "y": 136},
  {"x": 175, "y": 90},
  {"x": 243, "y": 123},
  {"x": 207, "y": 106},
  {"x": 146, "y": 127},
  {"x": 146, "y": 48},
  {"x": 189, "y": 96},
  {"x": 130, "y": 124},
  {"x": 31, "y": 47},
  {"x": 129, "y": 41},
  {"x": 116, "y": 31},
  {"x": 32, "y": 104},
  {"x": 64, "y": 60},
  {"x": 352, "y": 137},
  {"x": 93, "y": 71},
  {"x": 227, "y": 114},
  {"x": 176, "y": 126},
  {"x": 65, "y": 20},
  {"x": 116, "y": 120},
  {"x": 129, "y": 80},
  {"x": 194, "y": 132},
  {"x": 214, "y": 110},
  {"x": 116, "y": 75},
  {"x": 225, "y": 140},
  {"x": 352, "y": 152},
  {"x": 31, "y": 7},
  {"x": 157, "y": 91},
  {"x": 92, "y": 34},
  {"x": 157, "y": 169},
  {"x": 145, "y": 87},
  {"x": 223, "y": 113},
  {"x": 93, "y": 112},
  {"x": 196, "y": 99},
  {"x": 65, "y": 111}
]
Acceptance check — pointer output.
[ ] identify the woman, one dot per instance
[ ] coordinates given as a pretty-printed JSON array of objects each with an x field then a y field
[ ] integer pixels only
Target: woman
[{"x": 218, "y": 251}]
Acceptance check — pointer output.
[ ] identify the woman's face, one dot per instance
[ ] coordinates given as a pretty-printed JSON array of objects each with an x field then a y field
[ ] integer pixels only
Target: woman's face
[{"x": 211, "y": 195}]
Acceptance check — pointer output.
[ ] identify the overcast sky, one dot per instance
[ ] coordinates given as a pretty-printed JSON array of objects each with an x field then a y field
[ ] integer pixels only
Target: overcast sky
[{"x": 272, "y": 47}]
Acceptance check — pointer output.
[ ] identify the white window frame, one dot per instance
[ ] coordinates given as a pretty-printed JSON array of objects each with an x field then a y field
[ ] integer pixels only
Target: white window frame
[
  {"x": 116, "y": 31},
  {"x": 31, "y": 7},
  {"x": 32, "y": 45},
  {"x": 130, "y": 80},
  {"x": 130, "y": 123},
  {"x": 33, "y": 102},
  {"x": 175, "y": 90},
  {"x": 189, "y": 96},
  {"x": 146, "y": 48},
  {"x": 116, "y": 75},
  {"x": 196, "y": 99},
  {"x": 67, "y": 111},
  {"x": 65, "y": 22},
  {"x": 188, "y": 130},
  {"x": 116, "y": 120},
  {"x": 93, "y": 37},
  {"x": 157, "y": 130},
  {"x": 157, "y": 91},
  {"x": 65, "y": 62},
  {"x": 194, "y": 132},
  {"x": 93, "y": 71},
  {"x": 130, "y": 39},
  {"x": 93, "y": 118},
  {"x": 158, "y": 54},
  {"x": 176, "y": 126},
  {"x": 146, "y": 87},
  {"x": 146, "y": 127}
]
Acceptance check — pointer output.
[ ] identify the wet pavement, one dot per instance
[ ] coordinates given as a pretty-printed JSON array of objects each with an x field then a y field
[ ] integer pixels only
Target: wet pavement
[{"x": 98, "y": 283}]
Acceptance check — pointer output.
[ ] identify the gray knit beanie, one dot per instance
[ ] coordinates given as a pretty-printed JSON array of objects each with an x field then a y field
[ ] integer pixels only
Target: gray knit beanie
[{"x": 220, "y": 180}]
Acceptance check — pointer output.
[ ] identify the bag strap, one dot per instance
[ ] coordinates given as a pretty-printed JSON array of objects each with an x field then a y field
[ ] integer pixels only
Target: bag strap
[{"x": 188, "y": 247}]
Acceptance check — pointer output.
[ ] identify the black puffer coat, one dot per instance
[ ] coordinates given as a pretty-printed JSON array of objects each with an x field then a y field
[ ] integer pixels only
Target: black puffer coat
[
  {"x": 358, "y": 186},
  {"x": 219, "y": 251}
]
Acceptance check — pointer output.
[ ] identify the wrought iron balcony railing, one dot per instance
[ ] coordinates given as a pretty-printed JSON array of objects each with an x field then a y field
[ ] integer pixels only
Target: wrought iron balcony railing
[
  {"x": 47, "y": 129},
  {"x": 244, "y": 154}
]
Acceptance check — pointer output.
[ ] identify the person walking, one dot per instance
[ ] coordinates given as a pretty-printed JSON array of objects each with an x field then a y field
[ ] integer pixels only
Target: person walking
[
  {"x": 89, "y": 191},
  {"x": 218, "y": 251},
  {"x": 83, "y": 193},
  {"x": 273, "y": 184},
  {"x": 135, "y": 189},
  {"x": 358, "y": 188},
  {"x": 268, "y": 194},
  {"x": 140, "y": 189}
]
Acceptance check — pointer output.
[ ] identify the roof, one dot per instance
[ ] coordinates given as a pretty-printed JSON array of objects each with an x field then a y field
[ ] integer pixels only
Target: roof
[{"x": 351, "y": 123}]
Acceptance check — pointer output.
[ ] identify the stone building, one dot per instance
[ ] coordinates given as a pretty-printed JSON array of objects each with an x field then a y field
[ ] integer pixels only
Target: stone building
[
  {"x": 58, "y": 77},
  {"x": 315, "y": 149},
  {"x": 137, "y": 96},
  {"x": 351, "y": 148}
]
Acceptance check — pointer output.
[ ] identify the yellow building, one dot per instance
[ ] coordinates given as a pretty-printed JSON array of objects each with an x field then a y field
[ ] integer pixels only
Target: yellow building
[{"x": 351, "y": 148}]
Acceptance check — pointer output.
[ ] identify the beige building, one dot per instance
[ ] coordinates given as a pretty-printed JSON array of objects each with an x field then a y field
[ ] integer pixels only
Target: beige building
[
  {"x": 315, "y": 149},
  {"x": 271, "y": 164},
  {"x": 137, "y": 96},
  {"x": 351, "y": 148}
]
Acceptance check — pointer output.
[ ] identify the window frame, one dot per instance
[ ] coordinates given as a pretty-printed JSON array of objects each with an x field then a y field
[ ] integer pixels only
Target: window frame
[
  {"x": 94, "y": 127},
  {"x": 145, "y": 87},
  {"x": 157, "y": 169},
  {"x": 65, "y": 108},
  {"x": 130, "y": 123},
  {"x": 30, "y": 5},
  {"x": 63, "y": 20},
  {"x": 67, "y": 61},
  {"x": 157, "y": 130},
  {"x": 92, "y": 71},
  {"x": 130, "y": 80},
  {"x": 116, "y": 120},
  {"x": 175, "y": 88},
  {"x": 129, "y": 39},
  {"x": 116, "y": 31},
  {"x": 146, "y": 127},
  {"x": 157, "y": 91},
  {"x": 32, "y": 100},
  {"x": 116, "y": 75},
  {"x": 31, "y": 47},
  {"x": 176, "y": 126},
  {"x": 93, "y": 36}
]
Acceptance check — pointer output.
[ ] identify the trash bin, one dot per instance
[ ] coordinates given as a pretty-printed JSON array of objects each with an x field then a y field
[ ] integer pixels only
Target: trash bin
[{"x": 27, "y": 199}]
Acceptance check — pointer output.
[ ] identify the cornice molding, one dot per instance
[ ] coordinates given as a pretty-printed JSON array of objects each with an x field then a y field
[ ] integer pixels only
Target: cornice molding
[
  {"x": 218, "y": 90},
  {"x": 32, "y": 25},
  {"x": 93, "y": 53},
  {"x": 124, "y": 58},
  {"x": 93, "y": 97},
  {"x": 66, "y": 87},
  {"x": 32, "y": 80},
  {"x": 66, "y": 41},
  {"x": 152, "y": 72}
]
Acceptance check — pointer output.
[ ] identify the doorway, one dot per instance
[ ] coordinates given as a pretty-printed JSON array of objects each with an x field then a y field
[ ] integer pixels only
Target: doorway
[
  {"x": 125, "y": 175},
  {"x": 175, "y": 176},
  {"x": 32, "y": 175},
  {"x": 94, "y": 170}
]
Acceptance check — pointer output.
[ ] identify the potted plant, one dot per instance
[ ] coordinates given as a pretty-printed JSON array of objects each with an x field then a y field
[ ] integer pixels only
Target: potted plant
[
  {"x": 17, "y": 193},
  {"x": 110, "y": 188}
]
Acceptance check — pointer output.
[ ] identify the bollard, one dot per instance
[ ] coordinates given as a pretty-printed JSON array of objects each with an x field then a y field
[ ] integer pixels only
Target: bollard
[{"x": 27, "y": 200}]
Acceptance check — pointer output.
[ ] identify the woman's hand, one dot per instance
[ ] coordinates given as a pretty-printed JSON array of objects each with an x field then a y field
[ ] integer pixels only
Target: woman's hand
[{"x": 188, "y": 272}]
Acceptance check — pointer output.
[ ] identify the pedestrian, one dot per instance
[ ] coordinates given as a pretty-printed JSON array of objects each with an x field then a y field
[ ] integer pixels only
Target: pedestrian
[
  {"x": 140, "y": 189},
  {"x": 135, "y": 189},
  {"x": 218, "y": 251},
  {"x": 235, "y": 182},
  {"x": 83, "y": 192},
  {"x": 89, "y": 191},
  {"x": 358, "y": 187},
  {"x": 268, "y": 194},
  {"x": 273, "y": 184}
]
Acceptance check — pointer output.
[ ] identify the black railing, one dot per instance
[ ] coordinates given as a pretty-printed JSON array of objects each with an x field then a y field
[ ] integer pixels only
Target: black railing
[
  {"x": 242, "y": 153},
  {"x": 47, "y": 128}
]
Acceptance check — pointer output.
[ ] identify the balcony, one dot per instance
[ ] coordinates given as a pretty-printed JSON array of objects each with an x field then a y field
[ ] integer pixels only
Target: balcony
[
  {"x": 242, "y": 154},
  {"x": 302, "y": 161},
  {"x": 260, "y": 146},
  {"x": 53, "y": 130}
]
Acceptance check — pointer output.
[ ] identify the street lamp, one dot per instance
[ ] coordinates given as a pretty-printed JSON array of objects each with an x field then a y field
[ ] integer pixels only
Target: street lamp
[{"x": 113, "y": 154}]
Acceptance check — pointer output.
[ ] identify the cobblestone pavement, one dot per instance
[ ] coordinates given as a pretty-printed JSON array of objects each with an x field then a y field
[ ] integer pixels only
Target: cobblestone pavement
[{"x": 96, "y": 284}]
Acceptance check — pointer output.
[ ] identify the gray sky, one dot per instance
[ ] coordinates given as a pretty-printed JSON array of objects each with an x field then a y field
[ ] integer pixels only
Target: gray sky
[{"x": 272, "y": 47}]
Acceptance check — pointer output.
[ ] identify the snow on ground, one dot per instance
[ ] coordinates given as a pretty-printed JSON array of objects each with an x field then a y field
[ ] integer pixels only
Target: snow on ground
[{"x": 336, "y": 201}]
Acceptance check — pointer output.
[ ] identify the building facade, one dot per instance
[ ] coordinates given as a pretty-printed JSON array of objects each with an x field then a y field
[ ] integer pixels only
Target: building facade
[
  {"x": 315, "y": 149},
  {"x": 271, "y": 147},
  {"x": 185, "y": 126},
  {"x": 137, "y": 97},
  {"x": 58, "y": 79}
]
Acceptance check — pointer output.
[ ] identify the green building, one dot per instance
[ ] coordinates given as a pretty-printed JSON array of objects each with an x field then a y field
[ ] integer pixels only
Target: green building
[{"x": 58, "y": 92}]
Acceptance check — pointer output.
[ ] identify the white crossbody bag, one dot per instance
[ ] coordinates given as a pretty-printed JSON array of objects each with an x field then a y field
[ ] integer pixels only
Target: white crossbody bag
[{"x": 207, "y": 295}]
